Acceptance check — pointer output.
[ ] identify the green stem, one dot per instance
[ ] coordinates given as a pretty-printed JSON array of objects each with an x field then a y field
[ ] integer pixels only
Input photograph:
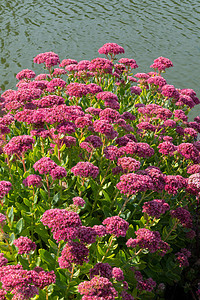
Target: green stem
[
  {"x": 173, "y": 228},
  {"x": 109, "y": 246}
]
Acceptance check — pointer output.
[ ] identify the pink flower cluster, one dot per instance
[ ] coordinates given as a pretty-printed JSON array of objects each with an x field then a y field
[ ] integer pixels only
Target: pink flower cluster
[
  {"x": 73, "y": 252},
  {"x": 49, "y": 101},
  {"x": 24, "y": 284},
  {"x": 116, "y": 226},
  {"x": 167, "y": 148},
  {"x": 98, "y": 288},
  {"x": 5, "y": 187},
  {"x": 78, "y": 201},
  {"x": 26, "y": 73},
  {"x": 49, "y": 58},
  {"x": 3, "y": 260},
  {"x": 161, "y": 63},
  {"x": 147, "y": 239},
  {"x": 101, "y": 65},
  {"x": 85, "y": 169},
  {"x": 155, "y": 208},
  {"x": 33, "y": 180},
  {"x": 128, "y": 62},
  {"x": 182, "y": 257},
  {"x": 129, "y": 164},
  {"x": 111, "y": 48},
  {"x": 140, "y": 149},
  {"x": 45, "y": 165},
  {"x": 183, "y": 216},
  {"x": 19, "y": 145},
  {"x": 189, "y": 151},
  {"x": 76, "y": 89},
  {"x": 173, "y": 183},
  {"x": 144, "y": 285},
  {"x": 133, "y": 183},
  {"x": 2, "y": 219},
  {"x": 24, "y": 245}
]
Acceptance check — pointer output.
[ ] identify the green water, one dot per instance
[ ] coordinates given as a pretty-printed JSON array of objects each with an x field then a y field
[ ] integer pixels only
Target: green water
[{"x": 77, "y": 29}]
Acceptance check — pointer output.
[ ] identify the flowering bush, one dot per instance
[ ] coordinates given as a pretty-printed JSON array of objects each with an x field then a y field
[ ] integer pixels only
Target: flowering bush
[{"x": 99, "y": 181}]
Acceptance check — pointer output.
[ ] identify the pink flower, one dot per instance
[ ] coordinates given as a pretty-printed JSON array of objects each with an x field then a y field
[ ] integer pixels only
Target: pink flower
[
  {"x": 49, "y": 58},
  {"x": 54, "y": 84},
  {"x": 44, "y": 165},
  {"x": 136, "y": 90},
  {"x": 179, "y": 114},
  {"x": 49, "y": 101},
  {"x": 129, "y": 164},
  {"x": 193, "y": 169},
  {"x": 128, "y": 62},
  {"x": 94, "y": 88},
  {"x": 183, "y": 216},
  {"x": 85, "y": 169},
  {"x": 182, "y": 257},
  {"x": 78, "y": 201},
  {"x": 100, "y": 230},
  {"x": 3, "y": 260},
  {"x": 157, "y": 80},
  {"x": 94, "y": 140},
  {"x": 133, "y": 183},
  {"x": 82, "y": 122},
  {"x": 155, "y": 208},
  {"x": 26, "y": 73},
  {"x": 173, "y": 183},
  {"x": 58, "y": 173},
  {"x": 19, "y": 145},
  {"x": 111, "y": 152},
  {"x": 107, "y": 96},
  {"x": 116, "y": 226},
  {"x": 5, "y": 187},
  {"x": 24, "y": 245},
  {"x": 76, "y": 89},
  {"x": 33, "y": 180},
  {"x": 101, "y": 269},
  {"x": 161, "y": 63},
  {"x": 126, "y": 296},
  {"x": 189, "y": 151},
  {"x": 104, "y": 127},
  {"x": 2, "y": 219},
  {"x": 111, "y": 48},
  {"x": 98, "y": 288},
  {"x": 167, "y": 148},
  {"x": 41, "y": 279},
  {"x": 147, "y": 239},
  {"x": 57, "y": 219},
  {"x": 101, "y": 65},
  {"x": 73, "y": 252},
  {"x": 117, "y": 274},
  {"x": 170, "y": 91},
  {"x": 66, "y": 62}
]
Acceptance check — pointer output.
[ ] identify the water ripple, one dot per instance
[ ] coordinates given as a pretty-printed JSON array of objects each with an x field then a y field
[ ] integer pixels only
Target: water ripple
[{"x": 77, "y": 29}]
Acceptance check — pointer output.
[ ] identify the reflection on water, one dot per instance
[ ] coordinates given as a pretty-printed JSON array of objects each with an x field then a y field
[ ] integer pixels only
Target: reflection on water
[{"x": 77, "y": 29}]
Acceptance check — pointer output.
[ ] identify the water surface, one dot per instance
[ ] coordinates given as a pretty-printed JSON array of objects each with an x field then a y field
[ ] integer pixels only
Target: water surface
[{"x": 77, "y": 29}]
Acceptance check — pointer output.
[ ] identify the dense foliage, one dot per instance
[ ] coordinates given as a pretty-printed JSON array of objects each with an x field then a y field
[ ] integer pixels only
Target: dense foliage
[{"x": 100, "y": 182}]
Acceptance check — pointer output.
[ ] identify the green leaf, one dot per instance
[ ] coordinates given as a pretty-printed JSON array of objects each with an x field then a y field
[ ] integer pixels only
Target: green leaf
[
  {"x": 53, "y": 245},
  {"x": 10, "y": 214},
  {"x": 106, "y": 196},
  {"x": 46, "y": 256},
  {"x": 100, "y": 250},
  {"x": 27, "y": 202},
  {"x": 20, "y": 225},
  {"x": 63, "y": 148},
  {"x": 56, "y": 198},
  {"x": 43, "y": 194}
]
